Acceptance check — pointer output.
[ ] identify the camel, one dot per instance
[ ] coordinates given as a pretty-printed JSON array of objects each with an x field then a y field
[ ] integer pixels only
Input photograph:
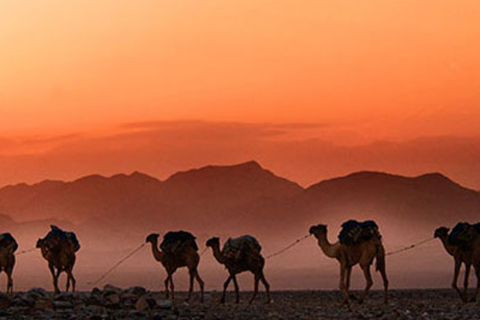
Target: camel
[
  {"x": 8, "y": 246},
  {"x": 350, "y": 255},
  {"x": 466, "y": 256},
  {"x": 59, "y": 248},
  {"x": 237, "y": 261},
  {"x": 186, "y": 257}
]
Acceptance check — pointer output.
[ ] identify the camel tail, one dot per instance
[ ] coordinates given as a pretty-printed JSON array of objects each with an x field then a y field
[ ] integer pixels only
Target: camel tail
[{"x": 380, "y": 258}]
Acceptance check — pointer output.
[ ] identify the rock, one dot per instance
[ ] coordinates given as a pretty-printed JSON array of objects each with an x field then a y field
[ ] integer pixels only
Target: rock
[
  {"x": 43, "y": 303},
  {"x": 5, "y": 301},
  {"x": 164, "y": 304},
  {"x": 142, "y": 304},
  {"x": 138, "y": 291},
  {"x": 62, "y": 304},
  {"x": 38, "y": 291},
  {"x": 94, "y": 300},
  {"x": 64, "y": 296},
  {"x": 95, "y": 309},
  {"x": 96, "y": 291},
  {"x": 113, "y": 299},
  {"x": 109, "y": 288}
]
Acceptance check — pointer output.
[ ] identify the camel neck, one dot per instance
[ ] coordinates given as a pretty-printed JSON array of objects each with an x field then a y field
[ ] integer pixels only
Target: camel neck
[
  {"x": 448, "y": 247},
  {"x": 156, "y": 252},
  {"x": 218, "y": 254},
  {"x": 330, "y": 250}
]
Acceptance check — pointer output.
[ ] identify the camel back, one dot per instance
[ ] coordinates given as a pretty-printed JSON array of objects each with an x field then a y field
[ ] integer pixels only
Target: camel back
[
  {"x": 237, "y": 248},
  {"x": 56, "y": 236},
  {"x": 355, "y": 232},
  {"x": 8, "y": 241},
  {"x": 175, "y": 241},
  {"x": 463, "y": 234}
]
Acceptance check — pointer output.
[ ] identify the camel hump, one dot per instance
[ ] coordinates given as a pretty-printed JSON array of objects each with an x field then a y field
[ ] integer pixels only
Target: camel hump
[
  {"x": 56, "y": 236},
  {"x": 174, "y": 241},
  {"x": 354, "y": 232},
  {"x": 8, "y": 241},
  {"x": 463, "y": 234},
  {"x": 236, "y": 248}
]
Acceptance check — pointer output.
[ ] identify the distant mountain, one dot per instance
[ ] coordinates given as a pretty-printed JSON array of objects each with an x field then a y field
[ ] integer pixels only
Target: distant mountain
[
  {"x": 139, "y": 200},
  {"x": 414, "y": 203},
  {"x": 220, "y": 189},
  {"x": 242, "y": 198}
]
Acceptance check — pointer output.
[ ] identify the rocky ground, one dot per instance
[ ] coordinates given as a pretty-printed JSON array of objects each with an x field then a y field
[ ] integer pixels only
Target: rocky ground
[{"x": 137, "y": 303}]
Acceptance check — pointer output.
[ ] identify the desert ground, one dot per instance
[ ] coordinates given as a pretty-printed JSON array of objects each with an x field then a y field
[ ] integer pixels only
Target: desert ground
[{"x": 137, "y": 303}]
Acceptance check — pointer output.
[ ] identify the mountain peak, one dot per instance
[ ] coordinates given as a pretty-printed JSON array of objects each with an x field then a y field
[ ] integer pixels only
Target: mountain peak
[{"x": 249, "y": 164}]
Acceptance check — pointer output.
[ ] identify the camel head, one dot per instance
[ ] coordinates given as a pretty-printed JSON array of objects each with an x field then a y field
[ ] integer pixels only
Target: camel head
[
  {"x": 212, "y": 242},
  {"x": 441, "y": 232},
  {"x": 39, "y": 243},
  {"x": 153, "y": 237},
  {"x": 318, "y": 230}
]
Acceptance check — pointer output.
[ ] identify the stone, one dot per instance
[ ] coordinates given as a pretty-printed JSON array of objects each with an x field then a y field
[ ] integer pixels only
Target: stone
[
  {"x": 138, "y": 291},
  {"x": 43, "y": 303},
  {"x": 62, "y": 304},
  {"x": 5, "y": 301},
  {"x": 142, "y": 304},
  {"x": 164, "y": 304}
]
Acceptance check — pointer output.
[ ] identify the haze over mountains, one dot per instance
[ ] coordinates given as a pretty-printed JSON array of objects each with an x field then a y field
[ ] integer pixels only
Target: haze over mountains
[{"x": 114, "y": 213}]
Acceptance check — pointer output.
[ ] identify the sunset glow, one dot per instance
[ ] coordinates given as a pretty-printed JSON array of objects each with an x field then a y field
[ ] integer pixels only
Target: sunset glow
[{"x": 304, "y": 91}]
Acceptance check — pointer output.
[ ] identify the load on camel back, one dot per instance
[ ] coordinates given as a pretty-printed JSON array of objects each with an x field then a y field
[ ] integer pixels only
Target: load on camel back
[
  {"x": 354, "y": 232},
  {"x": 56, "y": 235},
  {"x": 463, "y": 234},
  {"x": 8, "y": 242},
  {"x": 176, "y": 241},
  {"x": 236, "y": 249}
]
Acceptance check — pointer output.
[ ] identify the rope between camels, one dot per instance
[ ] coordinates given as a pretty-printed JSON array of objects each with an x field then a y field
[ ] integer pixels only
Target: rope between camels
[
  {"x": 117, "y": 264},
  {"x": 203, "y": 251},
  {"x": 25, "y": 251},
  {"x": 410, "y": 247},
  {"x": 288, "y": 247}
]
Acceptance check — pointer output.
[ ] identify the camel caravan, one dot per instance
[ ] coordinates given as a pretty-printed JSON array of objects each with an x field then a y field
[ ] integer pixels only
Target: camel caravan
[{"x": 358, "y": 243}]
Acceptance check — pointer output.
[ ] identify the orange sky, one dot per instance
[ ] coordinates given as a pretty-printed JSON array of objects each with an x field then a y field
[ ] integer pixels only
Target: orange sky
[{"x": 361, "y": 71}]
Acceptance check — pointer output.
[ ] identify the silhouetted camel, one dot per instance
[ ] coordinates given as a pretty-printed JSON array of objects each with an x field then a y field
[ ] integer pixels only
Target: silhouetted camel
[
  {"x": 467, "y": 255},
  {"x": 348, "y": 256},
  {"x": 8, "y": 246},
  {"x": 239, "y": 255},
  {"x": 185, "y": 255},
  {"x": 59, "y": 248}
]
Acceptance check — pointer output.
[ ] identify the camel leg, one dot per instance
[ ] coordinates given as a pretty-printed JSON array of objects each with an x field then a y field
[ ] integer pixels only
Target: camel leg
[
  {"x": 368, "y": 278},
  {"x": 342, "y": 286},
  {"x": 383, "y": 272},
  {"x": 172, "y": 287},
  {"x": 381, "y": 267},
  {"x": 255, "y": 288},
  {"x": 10, "y": 281},
  {"x": 70, "y": 279},
  {"x": 225, "y": 286},
  {"x": 347, "y": 283},
  {"x": 201, "y": 283},
  {"x": 237, "y": 291},
  {"x": 67, "y": 287},
  {"x": 167, "y": 291},
  {"x": 465, "y": 282},
  {"x": 455, "y": 277},
  {"x": 267, "y": 286},
  {"x": 477, "y": 273},
  {"x": 55, "y": 278},
  {"x": 190, "y": 289}
]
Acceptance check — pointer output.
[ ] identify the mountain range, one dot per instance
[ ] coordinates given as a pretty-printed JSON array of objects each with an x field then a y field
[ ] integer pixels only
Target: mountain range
[
  {"x": 235, "y": 199},
  {"x": 113, "y": 214}
]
